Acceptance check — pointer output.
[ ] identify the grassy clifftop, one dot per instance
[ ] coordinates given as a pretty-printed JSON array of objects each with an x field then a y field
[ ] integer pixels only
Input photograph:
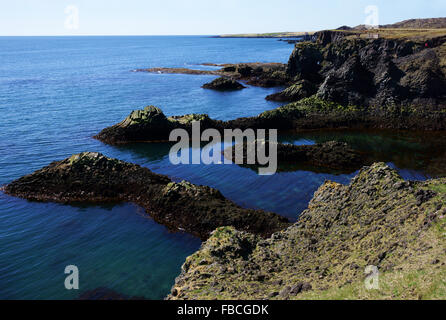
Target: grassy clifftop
[
  {"x": 429, "y": 23},
  {"x": 430, "y": 27},
  {"x": 379, "y": 219},
  {"x": 414, "y": 34}
]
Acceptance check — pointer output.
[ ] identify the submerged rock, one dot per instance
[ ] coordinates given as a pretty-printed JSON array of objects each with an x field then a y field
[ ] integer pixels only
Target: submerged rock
[
  {"x": 91, "y": 178},
  {"x": 331, "y": 155},
  {"x": 375, "y": 220},
  {"x": 223, "y": 84}
]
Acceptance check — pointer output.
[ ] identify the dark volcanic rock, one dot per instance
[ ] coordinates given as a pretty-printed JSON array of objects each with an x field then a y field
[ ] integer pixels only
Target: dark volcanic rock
[
  {"x": 256, "y": 74},
  {"x": 223, "y": 84},
  {"x": 295, "y": 92},
  {"x": 309, "y": 113},
  {"x": 373, "y": 72},
  {"x": 331, "y": 155},
  {"x": 149, "y": 124},
  {"x": 341, "y": 80},
  {"x": 92, "y": 177},
  {"x": 305, "y": 62}
]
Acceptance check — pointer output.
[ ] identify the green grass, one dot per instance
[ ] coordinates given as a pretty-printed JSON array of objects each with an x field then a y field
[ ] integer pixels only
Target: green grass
[
  {"x": 440, "y": 188},
  {"x": 419, "y": 284},
  {"x": 416, "y": 35},
  {"x": 307, "y": 105}
]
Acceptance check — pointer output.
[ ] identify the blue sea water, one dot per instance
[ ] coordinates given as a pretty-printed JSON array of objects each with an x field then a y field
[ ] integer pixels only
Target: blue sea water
[{"x": 57, "y": 92}]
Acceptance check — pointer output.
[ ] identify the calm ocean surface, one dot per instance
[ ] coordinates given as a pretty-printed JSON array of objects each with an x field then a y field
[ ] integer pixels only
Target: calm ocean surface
[{"x": 57, "y": 92}]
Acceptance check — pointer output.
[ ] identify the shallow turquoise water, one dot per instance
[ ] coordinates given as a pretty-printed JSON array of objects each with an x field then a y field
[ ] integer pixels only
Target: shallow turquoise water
[{"x": 56, "y": 93}]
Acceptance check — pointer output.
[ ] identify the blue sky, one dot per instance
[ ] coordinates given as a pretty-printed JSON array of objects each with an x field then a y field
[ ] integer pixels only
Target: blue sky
[{"x": 166, "y": 17}]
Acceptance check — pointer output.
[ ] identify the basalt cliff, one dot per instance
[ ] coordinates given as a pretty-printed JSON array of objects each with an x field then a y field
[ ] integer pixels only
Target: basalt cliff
[{"x": 354, "y": 68}]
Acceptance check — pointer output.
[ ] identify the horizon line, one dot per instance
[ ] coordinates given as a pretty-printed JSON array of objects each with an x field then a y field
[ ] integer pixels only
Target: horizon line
[
  {"x": 154, "y": 35},
  {"x": 110, "y": 35}
]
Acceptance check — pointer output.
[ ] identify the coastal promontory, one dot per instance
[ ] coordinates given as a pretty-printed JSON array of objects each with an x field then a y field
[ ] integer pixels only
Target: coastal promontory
[
  {"x": 378, "y": 228},
  {"x": 94, "y": 178}
]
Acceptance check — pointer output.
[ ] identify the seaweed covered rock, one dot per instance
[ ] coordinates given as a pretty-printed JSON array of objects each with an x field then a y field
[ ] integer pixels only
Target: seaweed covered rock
[
  {"x": 92, "y": 177},
  {"x": 316, "y": 113},
  {"x": 149, "y": 124},
  {"x": 377, "y": 220},
  {"x": 223, "y": 84},
  {"x": 308, "y": 113}
]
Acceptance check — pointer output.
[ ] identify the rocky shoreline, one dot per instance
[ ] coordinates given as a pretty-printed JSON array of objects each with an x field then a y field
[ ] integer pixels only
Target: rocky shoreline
[
  {"x": 343, "y": 79},
  {"x": 93, "y": 178},
  {"x": 151, "y": 125},
  {"x": 379, "y": 219},
  {"x": 339, "y": 80}
]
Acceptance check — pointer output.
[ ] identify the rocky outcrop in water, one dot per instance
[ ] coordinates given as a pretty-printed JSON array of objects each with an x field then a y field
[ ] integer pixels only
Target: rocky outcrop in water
[
  {"x": 151, "y": 124},
  {"x": 93, "y": 178},
  {"x": 377, "y": 220},
  {"x": 341, "y": 80},
  {"x": 223, "y": 84},
  {"x": 255, "y": 74},
  {"x": 333, "y": 156}
]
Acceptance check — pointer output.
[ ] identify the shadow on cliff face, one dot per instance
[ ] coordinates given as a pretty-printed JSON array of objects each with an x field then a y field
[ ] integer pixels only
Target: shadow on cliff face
[{"x": 350, "y": 70}]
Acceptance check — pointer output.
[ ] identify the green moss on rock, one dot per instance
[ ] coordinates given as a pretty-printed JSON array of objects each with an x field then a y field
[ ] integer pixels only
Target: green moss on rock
[{"x": 378, "y": 219}]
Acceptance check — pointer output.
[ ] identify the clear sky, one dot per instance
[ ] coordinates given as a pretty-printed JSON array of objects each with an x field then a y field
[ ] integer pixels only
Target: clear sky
[{"x": 180, "y": 17}]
